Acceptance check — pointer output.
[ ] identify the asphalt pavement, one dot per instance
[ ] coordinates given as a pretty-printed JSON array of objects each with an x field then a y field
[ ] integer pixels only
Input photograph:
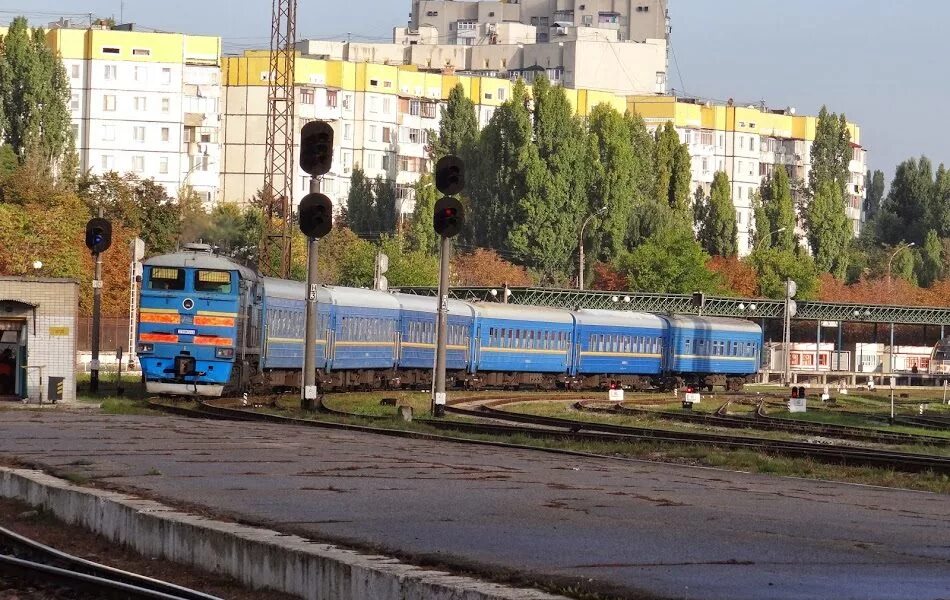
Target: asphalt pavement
[{"x": 646, "y": 529}]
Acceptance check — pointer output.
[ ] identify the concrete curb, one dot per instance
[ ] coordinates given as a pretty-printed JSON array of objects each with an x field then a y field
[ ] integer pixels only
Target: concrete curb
[{"x": 257, "y": 557}]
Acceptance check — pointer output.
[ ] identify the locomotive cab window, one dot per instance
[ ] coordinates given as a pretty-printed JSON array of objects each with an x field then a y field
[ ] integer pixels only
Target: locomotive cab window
[
  {"x": 218, "y": 282},
  {"x": 166, "y": 278}
]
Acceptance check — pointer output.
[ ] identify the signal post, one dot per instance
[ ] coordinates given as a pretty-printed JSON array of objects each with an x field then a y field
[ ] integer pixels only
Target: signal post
[
  {"x": 98, "y": 240},
  {"x": 447, "y": 220},
  {"x": 316, "y": 220}
]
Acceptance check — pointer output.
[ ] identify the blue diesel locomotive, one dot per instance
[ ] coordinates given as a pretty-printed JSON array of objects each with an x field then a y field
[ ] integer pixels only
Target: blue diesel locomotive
[{"x": 209, "y": 326}]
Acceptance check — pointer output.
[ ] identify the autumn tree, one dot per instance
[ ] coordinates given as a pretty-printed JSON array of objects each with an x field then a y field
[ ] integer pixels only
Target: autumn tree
[{"x": 484, "y": 267}]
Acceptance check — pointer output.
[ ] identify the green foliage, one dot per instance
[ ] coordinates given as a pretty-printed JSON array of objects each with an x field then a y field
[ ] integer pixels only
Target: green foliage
[
  {"x": 614, "y": 183},
  {"x": 143, "y": 206},
  {"x": 360, "y": 204},
  {"x": 34, "y": 95},
  {"x": 875, "y": 193},
  {"x": 8, "y": 161},
  {"x": 779, "y": 209},
  {"x": 648, "y": 218},
  {"x": 775, "y": 265},
  {"x": 458, "y": 127},
  {"x": 670, "y": 261},
  {"x": 408, "y": 267},
  {"x": 672, "y": 168},
  {"x": 385, "y": 211},
  {"x": 718, "y": 231},
  {"x": 421, "y": 235},
  {"x": 829, "y": 229},
  {"x": 931, "y": 260},
  {"x": 909, "y": 202},
  {"x": 830, "y": 152},
  {"x": 234, "y": 231}
]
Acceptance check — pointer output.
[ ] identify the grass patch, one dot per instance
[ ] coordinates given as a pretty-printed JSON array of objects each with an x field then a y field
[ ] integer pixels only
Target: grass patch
[{"x": 124, "y": 406}]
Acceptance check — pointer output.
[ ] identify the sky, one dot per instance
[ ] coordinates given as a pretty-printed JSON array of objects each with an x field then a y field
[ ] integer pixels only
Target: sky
[{"x": 880, "y": 62}]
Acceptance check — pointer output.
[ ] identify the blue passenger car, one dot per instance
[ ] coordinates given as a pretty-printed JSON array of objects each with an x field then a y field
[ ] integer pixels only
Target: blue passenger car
[
  {"x": 522, "y": 345},
  {"x": 713, "y": 350},
  {"x": 618, "y": 347},
  {"x": 363, "y": 330},
  {"x": 191, "y": 324},
  {"x": 417, "y": 335},
  {"x": 285, "y": 321}
]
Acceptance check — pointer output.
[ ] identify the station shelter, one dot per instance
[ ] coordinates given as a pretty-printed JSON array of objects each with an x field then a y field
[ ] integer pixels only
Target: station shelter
[{"x": 38, "y": 318}]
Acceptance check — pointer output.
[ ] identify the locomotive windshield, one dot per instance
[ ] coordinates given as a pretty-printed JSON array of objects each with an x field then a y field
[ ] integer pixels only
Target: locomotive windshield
[
  {"x": 213, "y": 281},
  {"x": 166, "y": 278}
]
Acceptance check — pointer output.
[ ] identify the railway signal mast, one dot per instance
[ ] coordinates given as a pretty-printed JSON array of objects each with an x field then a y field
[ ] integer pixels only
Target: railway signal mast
[
  {"x": 98, "y": 240},
  {"x": 274, "y": 252},
  {"x": 316, "y": 220},
  {"x": 448, "y": 219}
]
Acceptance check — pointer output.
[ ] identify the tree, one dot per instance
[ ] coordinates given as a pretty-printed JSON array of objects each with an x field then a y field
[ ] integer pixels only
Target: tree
[
  {"x": 483, "y": 267},
  {"x": 614, "y": 179},
  {"x": 911, "y": 201},
  {"x": 931, "y": 260},
  {"x": 774, "y": 266},
  {"x": 671, "y": 262},
  {"x": 359, "y": 203},
  {"x": 421, "y": 235},
  {"x": 779, "y": 209},
  {"x": 830, "y": 152},
  {"x": 738, "y": 276},
  {"x": 671, "y": 160},
  {"x": 829, "y": 229},
  {"x": 763, "y": 227},
  {"x": 718, "y": 232},
  {"x": 34, "y": 94},
  {"x": 557, "y": 185},
  {"x": 875, "y": 193},
  {"x": 408, "y": 267},
  {"x": 458, "y": 127},
  {"x": 385, "y": 212}
]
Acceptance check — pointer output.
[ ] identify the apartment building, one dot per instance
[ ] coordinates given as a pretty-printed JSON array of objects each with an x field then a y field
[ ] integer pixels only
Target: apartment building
[
  {"x": 461, "y": 22},
  {"x": 146, "y": 103},
  {"x": 381, "y": 115},
  {"x": 747, "y": 143}
]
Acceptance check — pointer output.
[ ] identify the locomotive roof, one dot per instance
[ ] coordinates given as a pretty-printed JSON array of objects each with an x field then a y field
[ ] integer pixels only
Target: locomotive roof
[
  {"x": 199, "y": 259},
  {"x": 330, "y": 294},
  {"x": 498, "y": 310},
  {"x": 718, "y": 323},
  {"x": 619, "y": 318},
  {"x": 429, "y": 304}
]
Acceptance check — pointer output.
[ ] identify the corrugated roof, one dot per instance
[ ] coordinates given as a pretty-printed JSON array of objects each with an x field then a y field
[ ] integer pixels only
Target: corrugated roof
[
  {"x": 620, "y": 318},
  {"x": 497, "y": 310}
]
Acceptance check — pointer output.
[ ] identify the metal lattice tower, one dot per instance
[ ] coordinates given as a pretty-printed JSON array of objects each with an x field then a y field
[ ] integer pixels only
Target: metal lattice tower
[{"x": 274, "y": 259}]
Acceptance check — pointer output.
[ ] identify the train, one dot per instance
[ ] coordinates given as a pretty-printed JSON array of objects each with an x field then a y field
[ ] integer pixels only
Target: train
[{"x": 209, "y": 326}]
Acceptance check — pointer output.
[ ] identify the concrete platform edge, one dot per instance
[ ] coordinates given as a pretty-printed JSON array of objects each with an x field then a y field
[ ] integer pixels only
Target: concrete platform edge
[{"x": 258, "y": 557}]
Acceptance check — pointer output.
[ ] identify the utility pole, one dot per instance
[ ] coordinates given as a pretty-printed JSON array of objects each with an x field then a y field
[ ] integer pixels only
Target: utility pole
[
  {"x": 580, "y": 248},
  {"x": 98, "y": 240},
  {"x": 447, "y": 219},
  {"x": 316, "y": 220}
]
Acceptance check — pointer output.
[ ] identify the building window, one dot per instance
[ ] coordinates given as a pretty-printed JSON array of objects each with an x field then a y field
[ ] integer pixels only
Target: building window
[
  {"x": 163, "y": 165},
  {"x": 416, "y": 136},
  {"x": 141, "y": 52},
  {"x": 345, "y": 158},
  {"x": 75, "y": 71},
  {"x": 387, "y": 106},
  {"x": 372, "y": 160},
  {"x": 108, "y": 103},
  {"x": 138, "y": 164},
  {"x": 347, "y": 132},
  {"x": 141, "y": 74},
  {"x": 75, "y": 128},
  {"x": 189, "y": 134},
  {"x": 108, "y": 162},
  {"x": 306, "y": 96},
  {"x": 387, "y": 135},
  {"x": 331, "y": 98},
  {"x": 428, "y": 110},
  {"x": 347, "y": 99},
  {"x": 74, "y": 101},
  {"x": 166, "y": 75},
  {"x": 110, "y": 50},
  {"x": 373, "y": 104},
  {"x": 389, "y": 161},
  {"x": 140, "y": 103},
  {"x": 415, "y": 107},
  {"x": 741, "y": 141},
  {"x": 374, "y": 82},
  {"x": 138, "y": 133},
  {"x": 108, "y": 133},
  {"x": 109, "y": 72},
  {"x": 166, "y": 133},
  {"x": 372, "y": 134},
  {"x": 166, "y": 105},
  {"x": 752, "y": 144}
]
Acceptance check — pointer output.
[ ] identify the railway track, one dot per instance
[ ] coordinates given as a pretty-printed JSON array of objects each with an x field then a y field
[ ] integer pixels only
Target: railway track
[
  {"x": 763, "y": 421},
  {"x": 555, "y": 428},
  {"x": 36, "y": 565}
]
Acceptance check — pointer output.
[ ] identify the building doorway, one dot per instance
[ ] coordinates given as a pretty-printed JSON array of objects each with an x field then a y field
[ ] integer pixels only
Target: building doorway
[{"x": 13, "y": 359}]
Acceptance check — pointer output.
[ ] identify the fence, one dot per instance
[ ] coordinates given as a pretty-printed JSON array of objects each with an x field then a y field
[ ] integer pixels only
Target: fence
[{"x": 114, "y": 333}]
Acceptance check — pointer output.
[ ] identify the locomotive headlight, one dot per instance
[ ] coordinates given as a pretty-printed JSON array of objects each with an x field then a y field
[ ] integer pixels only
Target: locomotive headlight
[
  {"x": 143, "y": 348},
  {"x": 224, "y": 353}
]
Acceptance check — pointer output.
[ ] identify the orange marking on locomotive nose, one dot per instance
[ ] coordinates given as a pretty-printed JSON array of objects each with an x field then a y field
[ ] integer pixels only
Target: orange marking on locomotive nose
[
  {"x": 167, "y": 338},
  {"x": 214, "y": 321},
  {"x": 207, "y": 340}
]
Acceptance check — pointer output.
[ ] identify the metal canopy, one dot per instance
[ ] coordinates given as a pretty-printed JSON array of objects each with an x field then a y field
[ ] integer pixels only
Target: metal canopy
[{"x": 747, "y": 308}]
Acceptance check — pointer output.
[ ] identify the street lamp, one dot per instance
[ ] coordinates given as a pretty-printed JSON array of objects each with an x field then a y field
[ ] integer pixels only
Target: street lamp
[
  {"x": 891, "y": 259},
  {"x": 768, "y": 236},
  {"x": 580, "y": 254}
]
